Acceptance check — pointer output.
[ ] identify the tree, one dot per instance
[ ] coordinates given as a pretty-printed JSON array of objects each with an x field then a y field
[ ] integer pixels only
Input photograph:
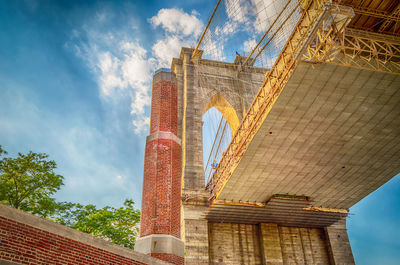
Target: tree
[
  {"x": 28, "y": 182},
  {"x": 2, "y": 151},
  {"x": 118, "y": 225}
]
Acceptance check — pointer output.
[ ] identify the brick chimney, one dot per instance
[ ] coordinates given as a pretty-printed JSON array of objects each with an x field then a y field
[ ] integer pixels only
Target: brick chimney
[{"x": 161, "y": 198}]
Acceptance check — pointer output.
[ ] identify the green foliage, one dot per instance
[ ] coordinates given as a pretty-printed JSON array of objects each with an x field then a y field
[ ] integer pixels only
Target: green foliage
[
  {"x": 28, "y": 182},
  {"x": 118, "y": 225},
  {"x": 2, "y": 151}
]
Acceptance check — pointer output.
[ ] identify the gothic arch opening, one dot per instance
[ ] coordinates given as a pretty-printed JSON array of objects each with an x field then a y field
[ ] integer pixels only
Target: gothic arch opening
[
  {"x": 226, "y": 109},
  {"x": 220, "y": 122}
]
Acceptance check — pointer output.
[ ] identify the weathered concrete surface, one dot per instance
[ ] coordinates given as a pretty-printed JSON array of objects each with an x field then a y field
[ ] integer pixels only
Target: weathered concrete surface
[
  {"x": 195, "y": 226},
  {"x": 284, "y": 211},
  {"x": 160, "y": 244},
  {"x": 303, "y": 245},
  {"x": 333, "y": 135},
  {"x": 338, "y": 244},
  {"x": 234, "y": 244},
  {"x": 268, "y": 243}
]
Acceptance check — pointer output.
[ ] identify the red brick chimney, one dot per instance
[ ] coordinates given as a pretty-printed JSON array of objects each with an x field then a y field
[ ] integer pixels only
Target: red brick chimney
[{"x": 161, "y": 198}]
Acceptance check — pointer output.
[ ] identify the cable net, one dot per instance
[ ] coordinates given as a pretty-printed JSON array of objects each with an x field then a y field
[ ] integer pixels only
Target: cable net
[
  {"x": 238, "y": 25},
  {"x": 256, "y": 29},
  {"x": 216, "y": 137}
]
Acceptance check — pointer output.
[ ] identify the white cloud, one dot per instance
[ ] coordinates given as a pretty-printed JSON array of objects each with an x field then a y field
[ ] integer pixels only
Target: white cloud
[
  {"x": 249, "y": 45},
  {"x": 122, "y": 68},
  {"x": 267, "y": 11},
  {"x": 176, "y": 21},
  {"x": 166, "y": 49},
  {"x": 141, "y": 124},
  {"x": 229, "y": 27},
  {"x": 215, "y": 51},
  {"x": 180, "y": 30},
  {"x": 237, "y": 10},
  {"x": 109, "y": 78}
]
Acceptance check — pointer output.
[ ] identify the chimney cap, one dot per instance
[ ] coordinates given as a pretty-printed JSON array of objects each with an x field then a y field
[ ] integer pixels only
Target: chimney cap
[{"x": 165, "y": 70}]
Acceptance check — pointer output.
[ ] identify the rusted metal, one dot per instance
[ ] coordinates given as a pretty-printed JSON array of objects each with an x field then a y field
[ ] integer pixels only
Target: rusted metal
[
  {"x": 393, "y": 17},
  {"x": 372, "y": 12}
]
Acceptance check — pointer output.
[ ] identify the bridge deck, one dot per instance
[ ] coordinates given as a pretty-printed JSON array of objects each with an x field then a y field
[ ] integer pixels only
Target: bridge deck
[{"x": 333, "y": 135}]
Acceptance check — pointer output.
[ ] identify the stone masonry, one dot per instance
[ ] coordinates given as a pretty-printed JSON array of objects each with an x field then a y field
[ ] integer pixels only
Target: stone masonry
[
  {"x": 179, "y": 100},
  {"x": 203, "y": 84}
]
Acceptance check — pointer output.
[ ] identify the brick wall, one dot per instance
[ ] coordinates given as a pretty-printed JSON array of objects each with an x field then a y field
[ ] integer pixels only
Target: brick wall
[
  {"x": 161, "y": 197},
  {"x": 27, "y": 239},
  {"x": 169, "y": 258},
  {"x": 161, "y": 189},
  {"x": 164, "y": 107}
]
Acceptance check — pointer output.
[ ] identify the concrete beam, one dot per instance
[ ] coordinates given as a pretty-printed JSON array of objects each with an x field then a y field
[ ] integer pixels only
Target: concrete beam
[{"x": 166, "y": 244}]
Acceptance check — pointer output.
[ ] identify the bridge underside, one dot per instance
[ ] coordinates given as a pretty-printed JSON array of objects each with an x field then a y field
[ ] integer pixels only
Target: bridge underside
[
  {"x": 333, "y": 136},
  {"x": 282, "y": 210}
]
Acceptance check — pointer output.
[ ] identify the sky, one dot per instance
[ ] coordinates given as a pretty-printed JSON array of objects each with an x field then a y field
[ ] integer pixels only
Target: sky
[{"x": 75, "y": 83}]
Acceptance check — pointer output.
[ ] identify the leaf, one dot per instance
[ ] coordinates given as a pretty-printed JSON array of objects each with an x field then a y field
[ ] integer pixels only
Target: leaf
[
  {"x": 117, "y": 225},
  {"x": 28, "y": 182}
]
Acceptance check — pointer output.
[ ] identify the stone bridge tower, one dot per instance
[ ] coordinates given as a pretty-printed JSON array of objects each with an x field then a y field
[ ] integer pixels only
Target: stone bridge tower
[
  {"x": 174, "y": 197},
  {"x": 203, "y": 84},
  {"x": 175, "y": 202}
]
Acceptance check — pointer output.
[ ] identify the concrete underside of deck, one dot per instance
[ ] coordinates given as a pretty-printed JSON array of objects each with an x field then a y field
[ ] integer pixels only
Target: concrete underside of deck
[{"x": 333, "y": 135}]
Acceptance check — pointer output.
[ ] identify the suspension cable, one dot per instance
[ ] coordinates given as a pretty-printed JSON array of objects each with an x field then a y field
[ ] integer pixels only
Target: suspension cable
[
  {"x": 265, "y": 45},
  {"x": 212, "y": 148},
  {"x": 219, "y": 143},
  {"x": 205, "y": 30},
  {"x": 266, "y": 32}
]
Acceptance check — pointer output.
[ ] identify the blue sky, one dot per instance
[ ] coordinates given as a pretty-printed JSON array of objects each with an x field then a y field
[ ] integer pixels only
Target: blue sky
[{"x": 75, "y": 83}]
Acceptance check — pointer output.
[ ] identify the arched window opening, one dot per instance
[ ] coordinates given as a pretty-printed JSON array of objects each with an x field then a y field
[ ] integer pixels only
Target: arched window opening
[{"x": 217, "y": 135}]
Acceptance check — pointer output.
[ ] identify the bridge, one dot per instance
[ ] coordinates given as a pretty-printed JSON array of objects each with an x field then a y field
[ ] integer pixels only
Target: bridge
[
  {"x": 313, "y": 109},
  {"x": 322, "y": 130},
  {"x": 309, "y": 94}
]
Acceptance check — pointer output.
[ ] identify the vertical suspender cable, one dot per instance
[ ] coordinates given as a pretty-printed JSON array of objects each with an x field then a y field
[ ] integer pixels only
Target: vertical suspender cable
[{"x": 205, "y": 30}]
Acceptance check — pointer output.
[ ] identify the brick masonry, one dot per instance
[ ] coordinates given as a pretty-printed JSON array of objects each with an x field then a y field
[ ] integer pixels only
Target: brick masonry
[
  {"x": 174, "y": 259},
  {"x": 161, "y": 197},
  {"x": 27, "y": 239}
]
